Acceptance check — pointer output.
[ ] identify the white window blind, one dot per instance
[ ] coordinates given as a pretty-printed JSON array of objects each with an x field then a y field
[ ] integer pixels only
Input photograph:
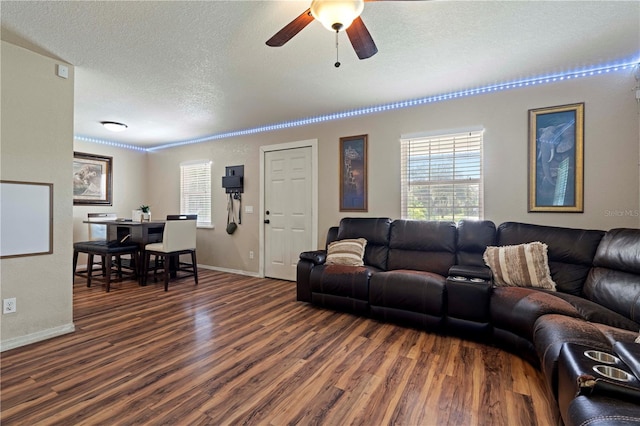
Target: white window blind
[
  {"x": 442, "y": 177},
  {"x": 195, "y": 190}
]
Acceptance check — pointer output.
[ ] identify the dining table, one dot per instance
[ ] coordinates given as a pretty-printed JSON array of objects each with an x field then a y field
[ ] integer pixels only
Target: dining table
[{"x": 141, "y": 233}]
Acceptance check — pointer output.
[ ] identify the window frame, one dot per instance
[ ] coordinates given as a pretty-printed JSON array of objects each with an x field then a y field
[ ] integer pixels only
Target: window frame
[
  {"x": 184, "y": 166},
  {"x": 450, "y": 146}
]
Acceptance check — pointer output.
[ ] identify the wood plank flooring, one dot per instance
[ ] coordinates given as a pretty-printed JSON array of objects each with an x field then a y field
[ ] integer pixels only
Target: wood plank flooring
[{"x": 241, "y": 350}]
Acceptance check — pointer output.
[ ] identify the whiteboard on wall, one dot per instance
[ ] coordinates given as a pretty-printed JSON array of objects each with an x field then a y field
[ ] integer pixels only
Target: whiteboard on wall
[{"x": 26, "y": 218}]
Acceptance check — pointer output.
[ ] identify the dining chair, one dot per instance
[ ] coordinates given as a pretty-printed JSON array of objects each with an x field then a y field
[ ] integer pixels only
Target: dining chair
[
  {"x": 178, "y": 237},
  {"x": 152, "y": 263},
  {"x": 97, "y": 232},
  {"x": 98, "y": 245},
  {"x": 108, "y": 250}
]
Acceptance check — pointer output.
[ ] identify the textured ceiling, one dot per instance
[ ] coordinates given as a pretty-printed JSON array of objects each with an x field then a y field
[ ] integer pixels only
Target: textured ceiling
[{"x": 182, "y": 70}]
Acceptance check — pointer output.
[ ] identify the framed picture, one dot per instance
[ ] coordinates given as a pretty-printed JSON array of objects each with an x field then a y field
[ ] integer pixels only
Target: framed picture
[
  {"x": 556, "y": 159},
  {"x": 92, "y": 179},
  {"x": 353, "y": 174}
]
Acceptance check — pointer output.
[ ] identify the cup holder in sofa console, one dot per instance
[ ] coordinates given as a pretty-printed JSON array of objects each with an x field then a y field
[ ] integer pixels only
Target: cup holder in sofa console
[
  {"x": 602, "y": 357},
  {"x": 612, "y": 373}
]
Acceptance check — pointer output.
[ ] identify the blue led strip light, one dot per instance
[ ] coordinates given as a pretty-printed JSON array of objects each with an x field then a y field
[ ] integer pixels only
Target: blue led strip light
[
  {"x": 110, "y": 143},
  {"x": 571, "y": 75}
]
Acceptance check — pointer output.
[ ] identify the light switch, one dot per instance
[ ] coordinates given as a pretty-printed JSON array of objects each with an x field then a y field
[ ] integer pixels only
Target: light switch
[{"x": 248, "y": 209}]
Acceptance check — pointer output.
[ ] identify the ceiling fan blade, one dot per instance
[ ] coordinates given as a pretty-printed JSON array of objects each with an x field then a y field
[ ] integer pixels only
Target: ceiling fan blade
[
  {"x": 291, "y": 29},
  {"x": 361, "y": 40}
]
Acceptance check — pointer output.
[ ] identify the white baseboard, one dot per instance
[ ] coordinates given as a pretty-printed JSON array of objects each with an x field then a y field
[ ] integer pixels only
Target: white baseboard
[
  {"x": 16, "y": 342},
  {"x": 230, "y": 271}
]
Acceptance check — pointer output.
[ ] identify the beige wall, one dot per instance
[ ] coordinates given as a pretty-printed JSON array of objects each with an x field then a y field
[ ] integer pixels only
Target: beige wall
[
  {"x": 37, "y": 146},
  {"x": 129, "y": 186},
  {"x": 215, "y": 246},
  {"x": 611, "y": 161}
]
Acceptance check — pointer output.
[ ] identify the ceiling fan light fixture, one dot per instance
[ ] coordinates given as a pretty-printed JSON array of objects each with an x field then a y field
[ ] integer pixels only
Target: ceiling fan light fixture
[
  {"x": 336, "y": 15},
  {"x": 114, "y": 126}
]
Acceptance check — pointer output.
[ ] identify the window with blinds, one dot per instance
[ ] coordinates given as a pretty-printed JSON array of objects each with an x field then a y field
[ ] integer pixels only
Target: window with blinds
[
  {"x": 195, "y": 190},
  {"x": 442, "y": 177}
]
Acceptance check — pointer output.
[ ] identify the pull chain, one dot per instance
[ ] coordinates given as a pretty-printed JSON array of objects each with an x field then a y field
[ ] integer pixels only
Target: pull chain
[{"x": 337, "y": 64}]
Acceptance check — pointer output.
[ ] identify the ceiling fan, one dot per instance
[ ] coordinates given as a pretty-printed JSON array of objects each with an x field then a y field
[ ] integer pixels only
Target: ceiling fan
[{"x": 335, "y": 15}]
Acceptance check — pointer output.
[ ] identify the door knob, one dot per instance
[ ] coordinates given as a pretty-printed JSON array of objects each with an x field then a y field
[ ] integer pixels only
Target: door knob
[{"x": 267, "y": 221}]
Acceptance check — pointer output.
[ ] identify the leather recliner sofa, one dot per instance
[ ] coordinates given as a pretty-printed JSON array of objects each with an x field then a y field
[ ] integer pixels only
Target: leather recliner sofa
[{"x": 408, "y": 278}]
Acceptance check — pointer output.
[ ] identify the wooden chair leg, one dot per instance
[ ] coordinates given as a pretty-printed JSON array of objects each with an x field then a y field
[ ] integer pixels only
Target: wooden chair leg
[
  {"x": 145, "y": 268},
  {"x": 156, "y": 262},
  {"x": 75, "y": 264},
  {"x": 165, "y": 272},
  {"x": 108, "y": 268},
  {"x": 195, "y": 266},
  {"x": 119, "y": 265},
  {"x": 89, "y": 268},
  {"x": 135, "y": 262}
]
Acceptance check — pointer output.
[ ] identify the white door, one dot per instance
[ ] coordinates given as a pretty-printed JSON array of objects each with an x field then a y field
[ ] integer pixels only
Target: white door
[{"x": 287, "y": 210}]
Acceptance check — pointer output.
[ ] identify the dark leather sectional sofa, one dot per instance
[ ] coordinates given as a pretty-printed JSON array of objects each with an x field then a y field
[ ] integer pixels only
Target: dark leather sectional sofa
[{"x": 431, "y": 275}]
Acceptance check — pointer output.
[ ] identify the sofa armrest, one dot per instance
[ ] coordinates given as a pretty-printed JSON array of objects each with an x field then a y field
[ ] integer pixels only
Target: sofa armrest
[
  {"x": 629, "y": 353},
  {"x": 318, "y": 257},
  {"x": 467, "y": 271},
  {"x": 308, "y": 261}
]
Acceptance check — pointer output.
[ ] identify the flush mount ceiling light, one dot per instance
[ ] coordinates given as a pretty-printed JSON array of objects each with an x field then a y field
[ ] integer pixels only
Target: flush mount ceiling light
[
  {"x": 336, "y": 15},
  {"x": 114, "y": 126}
]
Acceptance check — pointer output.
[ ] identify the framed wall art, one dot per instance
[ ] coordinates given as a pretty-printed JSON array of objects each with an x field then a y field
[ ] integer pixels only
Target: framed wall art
[
  {"x": 353, "y": 174},
  {"x": 556, "y": 159},
  {"x": 92, "y": 179}
]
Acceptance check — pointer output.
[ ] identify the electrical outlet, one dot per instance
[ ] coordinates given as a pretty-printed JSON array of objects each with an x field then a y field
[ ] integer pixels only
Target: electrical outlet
[
  {"x": 9, "y": 305},
  {"x": 251, "y": 254}
]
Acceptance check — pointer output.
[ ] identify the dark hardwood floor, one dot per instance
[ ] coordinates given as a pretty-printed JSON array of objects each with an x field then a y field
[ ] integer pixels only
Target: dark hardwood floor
[{"x": 241, "y": 350}]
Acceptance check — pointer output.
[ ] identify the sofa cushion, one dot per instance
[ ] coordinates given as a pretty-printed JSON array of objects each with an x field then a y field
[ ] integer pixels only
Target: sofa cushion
[
  {"x": 375, "y": 231},
  {"x": 596, "y": 313},
  {"x": 346, "y": 252},
  {"x": 422, "y": 246},
  {"x": 614, "y": 281},
  {"x": 410, "y": 290},
  {"x": 615, "y": 334},
  {"x": 416, "y": 292},
  {"x": 340, "y": 280},
  {"x": 522, "y": 265},
  {"x": 516, "y": 309},
  {"x": 473, "y": 238},
  {"x": 570, "y": 251}
]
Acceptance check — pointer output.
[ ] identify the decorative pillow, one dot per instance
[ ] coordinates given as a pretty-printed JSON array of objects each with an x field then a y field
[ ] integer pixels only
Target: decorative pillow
[
  {"x": 523, "y": 265},
  {"x": 346, "y": 252}
]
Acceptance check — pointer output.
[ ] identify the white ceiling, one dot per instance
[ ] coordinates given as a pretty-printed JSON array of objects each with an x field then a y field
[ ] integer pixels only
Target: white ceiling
[{"x": 182, "y": 70}]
